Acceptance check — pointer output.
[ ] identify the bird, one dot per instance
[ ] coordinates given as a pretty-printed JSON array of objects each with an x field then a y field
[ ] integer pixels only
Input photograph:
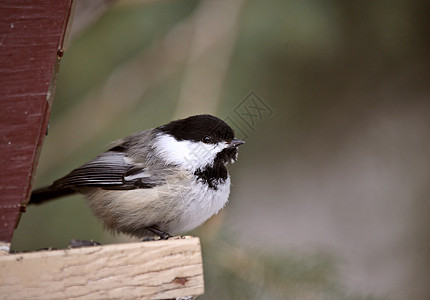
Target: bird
[{"x": 162, "y": 181}]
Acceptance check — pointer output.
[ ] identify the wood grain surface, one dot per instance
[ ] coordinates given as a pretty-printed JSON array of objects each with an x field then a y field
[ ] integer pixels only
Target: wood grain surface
[{"x": 146, "y": 270}]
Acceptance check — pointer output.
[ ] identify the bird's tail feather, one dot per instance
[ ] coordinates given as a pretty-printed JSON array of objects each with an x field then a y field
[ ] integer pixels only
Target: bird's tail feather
[{"x": 48, "y": 193}]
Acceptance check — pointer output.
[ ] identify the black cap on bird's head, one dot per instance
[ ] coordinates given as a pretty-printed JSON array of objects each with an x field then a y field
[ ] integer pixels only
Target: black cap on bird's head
[{"x": 201, "y": 128}]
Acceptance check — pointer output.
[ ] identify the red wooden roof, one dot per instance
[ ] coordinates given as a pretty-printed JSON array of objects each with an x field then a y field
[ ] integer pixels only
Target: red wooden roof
[{"x": 31, "y": 37}]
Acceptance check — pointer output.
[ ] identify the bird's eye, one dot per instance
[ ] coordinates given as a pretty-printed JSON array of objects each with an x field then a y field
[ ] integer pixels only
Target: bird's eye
[{"x": 207, "y": 139}]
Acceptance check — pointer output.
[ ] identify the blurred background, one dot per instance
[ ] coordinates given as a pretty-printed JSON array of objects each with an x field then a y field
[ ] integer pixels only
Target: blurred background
[{"x": 330, "y": 195}]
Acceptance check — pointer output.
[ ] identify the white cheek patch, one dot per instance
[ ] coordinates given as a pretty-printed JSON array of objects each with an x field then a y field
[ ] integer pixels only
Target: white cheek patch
[{"x": 189, "y": 155}]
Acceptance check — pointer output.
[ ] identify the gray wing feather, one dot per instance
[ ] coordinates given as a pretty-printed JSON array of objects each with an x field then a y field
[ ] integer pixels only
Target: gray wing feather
[{"x": 108, "y": 170}]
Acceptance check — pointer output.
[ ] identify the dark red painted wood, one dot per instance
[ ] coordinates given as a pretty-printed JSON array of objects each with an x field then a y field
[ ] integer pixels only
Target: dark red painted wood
[{"x": 31, "y": 33}]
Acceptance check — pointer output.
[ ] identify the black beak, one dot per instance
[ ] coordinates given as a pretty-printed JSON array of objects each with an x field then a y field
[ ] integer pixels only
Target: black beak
[{"x": 236, "y": 143}]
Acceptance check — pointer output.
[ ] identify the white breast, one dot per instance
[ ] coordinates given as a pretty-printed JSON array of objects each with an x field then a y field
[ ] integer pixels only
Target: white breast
[
  {"x": 177, "y": 207},
  {"x": 202, "y": 203}
]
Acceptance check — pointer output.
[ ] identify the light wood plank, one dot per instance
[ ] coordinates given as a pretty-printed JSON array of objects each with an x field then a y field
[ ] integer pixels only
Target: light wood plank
[{"x": 145, "y": 270}]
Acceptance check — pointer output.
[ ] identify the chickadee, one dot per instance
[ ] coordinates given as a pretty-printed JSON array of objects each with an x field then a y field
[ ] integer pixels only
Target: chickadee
[{"x": 165, "y": 180}]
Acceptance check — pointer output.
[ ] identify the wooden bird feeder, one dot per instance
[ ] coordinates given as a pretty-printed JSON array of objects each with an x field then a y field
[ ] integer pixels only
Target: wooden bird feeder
[{"x": 32, "y": 38}]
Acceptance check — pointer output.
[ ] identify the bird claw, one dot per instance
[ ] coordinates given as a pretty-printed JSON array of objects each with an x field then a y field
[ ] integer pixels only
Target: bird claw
[
  {"x": 163, "y": 235},
  {"x": 82, "y": 243}
]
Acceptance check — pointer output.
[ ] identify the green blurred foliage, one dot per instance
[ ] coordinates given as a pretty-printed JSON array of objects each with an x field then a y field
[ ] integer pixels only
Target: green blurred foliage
[{"x": 238, "y": 272}]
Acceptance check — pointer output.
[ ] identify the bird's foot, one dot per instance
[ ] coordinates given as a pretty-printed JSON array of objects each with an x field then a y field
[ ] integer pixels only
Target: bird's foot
[
  {"x": 163, "y": 235},
  {"x": 81, "y": 243}
]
